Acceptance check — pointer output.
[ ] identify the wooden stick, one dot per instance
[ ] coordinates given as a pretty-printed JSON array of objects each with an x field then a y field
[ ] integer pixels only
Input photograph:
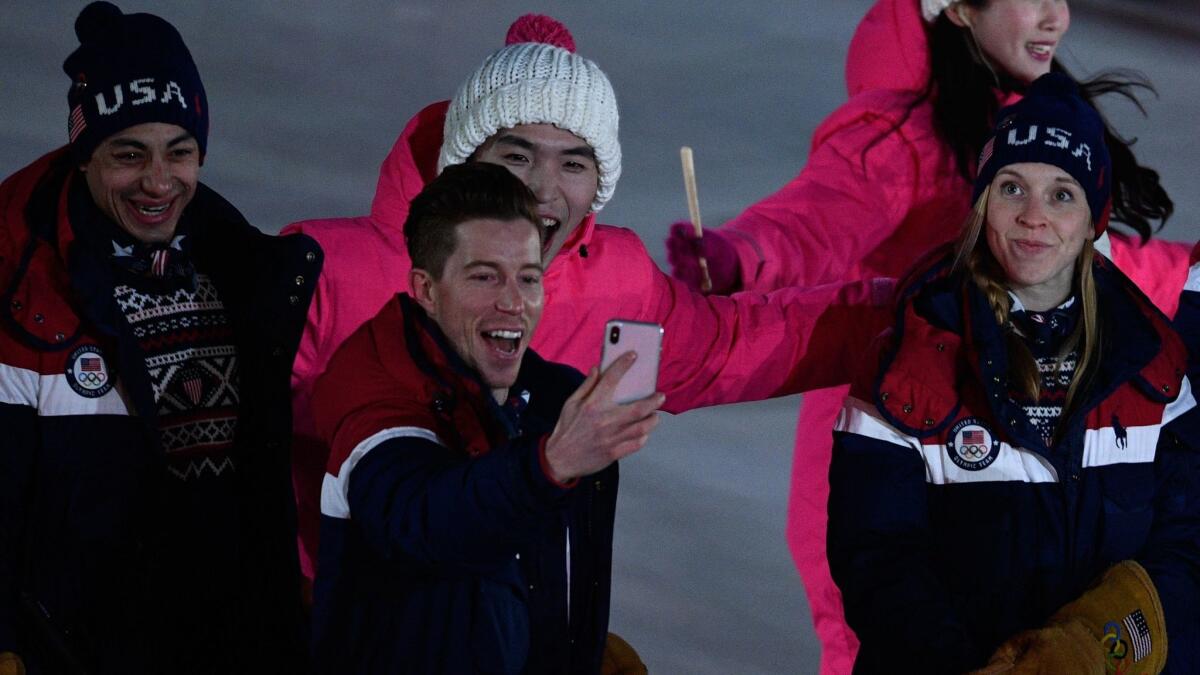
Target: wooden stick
[{"x": 693, "y": 202}]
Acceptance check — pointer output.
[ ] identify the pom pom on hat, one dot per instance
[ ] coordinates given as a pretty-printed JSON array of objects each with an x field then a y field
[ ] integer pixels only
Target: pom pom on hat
[
  {"x": 130, "y": 69},
  {"x": 930, "y": 9},
  {"x": 1053, "y": 125},
  {"x": 95, "y": 20},
  {"x": 540, "y": 28},
  {"x": 537, "y": 79}
]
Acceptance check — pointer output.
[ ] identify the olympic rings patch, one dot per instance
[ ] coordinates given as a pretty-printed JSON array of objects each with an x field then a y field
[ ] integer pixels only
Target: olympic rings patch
[
  {"x": 88, "y": 373},
  {"x": 971, "y": 445}
]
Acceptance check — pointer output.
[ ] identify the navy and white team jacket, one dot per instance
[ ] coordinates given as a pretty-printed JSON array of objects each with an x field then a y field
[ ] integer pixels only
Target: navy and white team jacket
[
  {"x": 952, "y": 526},
  {"x": 108, "y": 562},
  {"x": 1187, "y": 318},
  {"x": 445, "y": 547}
]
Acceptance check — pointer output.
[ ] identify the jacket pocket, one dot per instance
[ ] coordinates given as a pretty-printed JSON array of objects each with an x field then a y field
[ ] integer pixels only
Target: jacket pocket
[
  {"x": 499, "y": 627},
  {"x": 1128, "y": 510}
]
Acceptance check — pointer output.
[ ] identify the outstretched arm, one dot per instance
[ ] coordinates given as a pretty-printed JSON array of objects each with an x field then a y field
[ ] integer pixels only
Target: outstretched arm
[
  {"x": 752, "y": 346},
  {"x": 863, "y": 178}
]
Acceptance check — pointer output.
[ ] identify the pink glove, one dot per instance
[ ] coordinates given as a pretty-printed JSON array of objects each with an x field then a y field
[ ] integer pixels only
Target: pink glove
[{"x": 684, "y": 251}]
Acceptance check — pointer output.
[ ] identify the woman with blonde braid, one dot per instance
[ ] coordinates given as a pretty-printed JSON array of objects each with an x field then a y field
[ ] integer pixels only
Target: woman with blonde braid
[
  {"x": 887, "y": 179},
  {"x": 1014, "y": 482}
]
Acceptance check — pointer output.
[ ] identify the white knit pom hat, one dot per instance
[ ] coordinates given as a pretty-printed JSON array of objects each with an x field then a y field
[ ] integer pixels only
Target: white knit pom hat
[
  {"x": 930, "y": 9},
  {"x": 537, "y": 79}
]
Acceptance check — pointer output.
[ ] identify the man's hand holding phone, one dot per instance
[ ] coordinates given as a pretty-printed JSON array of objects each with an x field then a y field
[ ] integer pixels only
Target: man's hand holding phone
[{"x": 593, "y": 430}]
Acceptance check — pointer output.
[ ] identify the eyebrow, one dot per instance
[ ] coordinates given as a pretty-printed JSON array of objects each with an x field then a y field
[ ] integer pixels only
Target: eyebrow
[
  {"x": 134, "y": 143},
  {"x": 584, "y": 150},
  {"x": 1068, "y": 179},
  {"x": 491, "y": 265}
]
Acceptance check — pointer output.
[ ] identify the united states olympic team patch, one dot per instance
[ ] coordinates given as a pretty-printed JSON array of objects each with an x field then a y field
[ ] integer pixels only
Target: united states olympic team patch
[
  {"x": 88, "y": 373},
  {"x": 971, "y": 445}
]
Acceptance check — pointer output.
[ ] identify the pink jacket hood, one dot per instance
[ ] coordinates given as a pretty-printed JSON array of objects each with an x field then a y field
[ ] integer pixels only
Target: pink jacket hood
[
  {"x": 889, "y": 50},
  {"x": 413, "y": 162}
]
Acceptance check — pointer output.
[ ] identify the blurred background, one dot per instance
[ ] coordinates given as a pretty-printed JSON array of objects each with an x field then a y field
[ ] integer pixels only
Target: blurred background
[{"x": 307, "y": 98}]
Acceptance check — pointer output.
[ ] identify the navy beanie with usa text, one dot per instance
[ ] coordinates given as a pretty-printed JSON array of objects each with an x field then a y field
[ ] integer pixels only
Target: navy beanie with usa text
[
  {"x": 1053, "y": 125},
  {"x": 130, "y": 69}
]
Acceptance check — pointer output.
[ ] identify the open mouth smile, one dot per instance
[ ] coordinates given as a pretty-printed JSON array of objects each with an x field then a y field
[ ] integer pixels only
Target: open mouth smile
[
  {"x": 551, "y": 226},
  {"x": 504, "y": 341}
]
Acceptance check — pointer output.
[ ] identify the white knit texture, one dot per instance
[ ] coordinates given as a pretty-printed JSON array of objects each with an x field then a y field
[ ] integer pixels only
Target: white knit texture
[
  {"x": 931, "y": 8},
  {"x": 536, "y": 83}
]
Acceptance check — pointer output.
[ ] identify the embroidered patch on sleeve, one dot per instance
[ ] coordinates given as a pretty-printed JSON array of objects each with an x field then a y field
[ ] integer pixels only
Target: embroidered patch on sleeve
[
  {"x": 88, "y": 373},
  {"x": 971, "y": 445}
]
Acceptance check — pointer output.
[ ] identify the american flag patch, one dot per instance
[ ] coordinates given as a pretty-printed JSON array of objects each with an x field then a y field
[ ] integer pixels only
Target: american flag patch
[
  {"x": 89, "y": 364},
  {"x": 158, "y": 261},
  {"x": 76, "y": 123},
  {"x": 1139, "y": 634},
  {"x": 972, "y": 437},
  {"x": 986, "y": 153},
  {"x": 194, "y": 389}
]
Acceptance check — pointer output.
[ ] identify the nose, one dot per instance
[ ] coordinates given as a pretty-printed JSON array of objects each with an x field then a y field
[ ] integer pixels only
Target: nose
[
  {"x": 542, "y": 181},
  {"x": 156, "y": 178},
  {"x": 1033, "y": 215},
  {"x": 1056, "y": 16},
  {"x": 510, "y": 300}
]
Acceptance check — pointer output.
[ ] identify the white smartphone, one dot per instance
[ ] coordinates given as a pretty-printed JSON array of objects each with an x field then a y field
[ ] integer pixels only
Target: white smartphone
[{"x": 622, "y": 336}]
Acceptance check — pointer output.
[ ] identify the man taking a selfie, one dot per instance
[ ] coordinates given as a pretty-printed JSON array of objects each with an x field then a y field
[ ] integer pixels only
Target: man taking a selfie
[
  {"x": 467, "y": 512},
  {"x": 549, "y": 116}
]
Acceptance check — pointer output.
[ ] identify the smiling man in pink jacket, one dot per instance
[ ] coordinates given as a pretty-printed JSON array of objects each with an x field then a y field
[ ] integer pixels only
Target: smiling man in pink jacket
[{"x": 550, "y": 117}]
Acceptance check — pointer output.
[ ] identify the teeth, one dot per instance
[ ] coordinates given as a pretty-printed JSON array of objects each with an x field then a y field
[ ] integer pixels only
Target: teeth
[
  {"x": 549, "y": 222},
  {"x": 504, "y": 334},
  {"x": 152, "y": 210},
  {"x": 1039, "y": 49}
]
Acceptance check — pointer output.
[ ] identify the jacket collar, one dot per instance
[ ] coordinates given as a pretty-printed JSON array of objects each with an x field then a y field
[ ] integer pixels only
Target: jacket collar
[
  {"x": 434, "y": 355},
  {"x": 944, "y": 324},
  {"x": 36, "y": 234}
]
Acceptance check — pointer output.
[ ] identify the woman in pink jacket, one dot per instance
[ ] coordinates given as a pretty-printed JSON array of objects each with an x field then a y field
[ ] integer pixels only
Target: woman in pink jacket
[{"x": 888, "y": 179}]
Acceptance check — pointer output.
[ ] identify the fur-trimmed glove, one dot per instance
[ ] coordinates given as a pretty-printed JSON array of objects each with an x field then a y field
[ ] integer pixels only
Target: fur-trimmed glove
[
  {"x": 10, "y": 664},
  {"x": 684, "y": 251},
  {"x": 1117, "y": 626},
  {"x": 620, "y": 658}
]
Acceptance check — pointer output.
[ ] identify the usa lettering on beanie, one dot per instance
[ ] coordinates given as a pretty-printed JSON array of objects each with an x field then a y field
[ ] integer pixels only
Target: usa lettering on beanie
[
  {"x": 1053, "y": 125},
  {"x": 130, "y": 69}
]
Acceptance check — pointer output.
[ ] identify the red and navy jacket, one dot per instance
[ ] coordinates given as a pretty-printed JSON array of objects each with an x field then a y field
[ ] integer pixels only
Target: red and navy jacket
[
  {"x": 1187, "y": 318},
  {"x": 952, "y": 526},
  {"x": 445, "y": 547},
  {"x": 105, "y": 565}
]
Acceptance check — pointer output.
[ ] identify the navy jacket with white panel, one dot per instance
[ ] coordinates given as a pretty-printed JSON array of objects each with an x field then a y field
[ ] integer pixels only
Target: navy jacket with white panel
[
  {"x": 445, "y": 547},
  {"x": 952, "y": 526},
  {"x": 1187, "y": 318},
  {"x": 111, "y": 559}
]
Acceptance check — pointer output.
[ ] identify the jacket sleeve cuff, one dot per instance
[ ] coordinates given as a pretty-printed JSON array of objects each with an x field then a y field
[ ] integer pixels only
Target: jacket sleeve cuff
[
  {"x": 749, "y": 256},
  {"x": 545, "y": 466}
]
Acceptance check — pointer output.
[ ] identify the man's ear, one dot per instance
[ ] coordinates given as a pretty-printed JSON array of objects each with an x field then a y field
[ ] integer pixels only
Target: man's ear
[
  {"x": 423, "y": 291},
  {"x": 960, "y": 14}
]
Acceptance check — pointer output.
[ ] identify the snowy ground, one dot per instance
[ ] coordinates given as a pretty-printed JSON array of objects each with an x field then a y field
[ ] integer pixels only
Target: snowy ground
[{"x": 307, "y": 98}]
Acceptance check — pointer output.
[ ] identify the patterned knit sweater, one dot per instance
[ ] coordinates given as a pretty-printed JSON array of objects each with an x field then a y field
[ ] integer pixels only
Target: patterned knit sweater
[
  {"x": 177, "y": 344},
  {"x": 1045, "y": 333},
  {"x": 187, "y": 343}
]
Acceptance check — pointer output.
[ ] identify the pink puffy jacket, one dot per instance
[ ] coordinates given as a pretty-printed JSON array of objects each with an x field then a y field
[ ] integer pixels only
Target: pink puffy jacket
[
  {"x": 854, "y": 213},
  {"x": 715, "y": 350}
]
